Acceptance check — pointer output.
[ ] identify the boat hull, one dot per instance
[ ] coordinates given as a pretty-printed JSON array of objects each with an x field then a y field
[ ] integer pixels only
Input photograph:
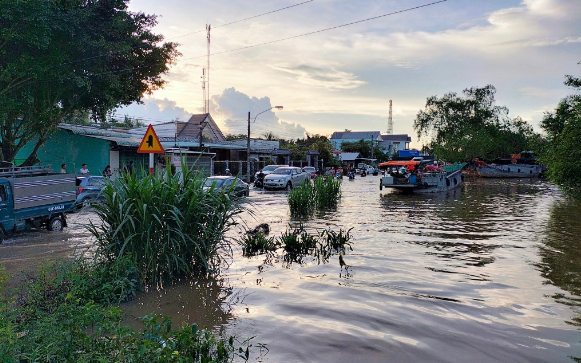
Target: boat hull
[
  {"x": 510, "y": 171},
  {"x": 436, "y": 182}
]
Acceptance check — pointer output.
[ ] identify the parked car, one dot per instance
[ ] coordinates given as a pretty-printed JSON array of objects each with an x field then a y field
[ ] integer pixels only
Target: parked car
[
  {"x": 90, "y": 190},
  {"x": 269, "y": 169},
  {"x": 221, "y": 183},
  {"x": 311, "y": 171},
  {"x": 285, "y": 178}
]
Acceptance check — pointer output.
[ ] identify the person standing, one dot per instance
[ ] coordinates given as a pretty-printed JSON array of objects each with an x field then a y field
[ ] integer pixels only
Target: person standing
[
  {"x": 84, "y": 170},
  {"x": 63, "y": 168}
]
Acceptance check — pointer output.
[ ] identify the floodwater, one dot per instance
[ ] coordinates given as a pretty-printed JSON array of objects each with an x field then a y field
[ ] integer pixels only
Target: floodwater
[{"x": 490, "y": 272}]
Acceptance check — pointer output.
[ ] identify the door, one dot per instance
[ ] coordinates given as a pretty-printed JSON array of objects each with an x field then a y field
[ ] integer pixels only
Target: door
[{"x": 6, "y": 207}]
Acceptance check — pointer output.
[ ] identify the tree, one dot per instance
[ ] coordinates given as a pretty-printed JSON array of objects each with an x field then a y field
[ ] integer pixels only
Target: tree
[
  {"x": 461, "y": 128},
  {"x": 231, "y": 137},
  {"x": 63, "y": 58},
  {"x": 561, "y": 151}
]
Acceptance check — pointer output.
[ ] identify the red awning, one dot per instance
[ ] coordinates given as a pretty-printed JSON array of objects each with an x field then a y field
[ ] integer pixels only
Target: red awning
[{"x": 400, "y": 163}]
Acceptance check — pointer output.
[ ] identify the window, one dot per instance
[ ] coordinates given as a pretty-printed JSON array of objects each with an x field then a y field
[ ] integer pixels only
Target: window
[
  {"x": 3, "y": 196},
  {"x": 95, "y": 182}
]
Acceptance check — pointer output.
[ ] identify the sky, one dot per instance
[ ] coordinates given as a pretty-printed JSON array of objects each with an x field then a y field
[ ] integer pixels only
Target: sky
[{"x": 344, "y": 78}]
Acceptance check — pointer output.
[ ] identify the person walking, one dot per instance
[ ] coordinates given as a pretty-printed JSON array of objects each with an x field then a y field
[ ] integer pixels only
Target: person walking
[{"x": 84, "y": 170}]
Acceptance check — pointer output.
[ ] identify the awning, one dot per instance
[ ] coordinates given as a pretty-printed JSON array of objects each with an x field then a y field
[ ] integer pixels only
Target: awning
[{"x": 400, "y": 163}]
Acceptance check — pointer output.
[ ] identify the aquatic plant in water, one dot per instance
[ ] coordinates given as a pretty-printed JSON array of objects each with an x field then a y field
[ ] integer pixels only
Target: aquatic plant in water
[
  {"x": 324, "y": 192},
  {"x": 168, "y": 226},
  {"x": 257, "y": 243}
]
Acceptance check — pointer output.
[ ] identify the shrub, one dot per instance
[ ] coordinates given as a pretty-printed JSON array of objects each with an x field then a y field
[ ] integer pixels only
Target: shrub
[
  {"x": 327, "y": 192},
  {"x": 167, "y": 226}
]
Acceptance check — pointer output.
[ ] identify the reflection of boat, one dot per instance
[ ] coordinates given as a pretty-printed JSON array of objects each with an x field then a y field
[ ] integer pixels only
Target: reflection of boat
[
  {"x": 509, "y": 171},
  {"x": 426, "y": 181}
]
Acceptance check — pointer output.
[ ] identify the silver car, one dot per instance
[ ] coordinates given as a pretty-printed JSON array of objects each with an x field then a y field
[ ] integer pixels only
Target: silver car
[
  {"x": 269, "y": 169},
  {"x": 285, "y": 178}
]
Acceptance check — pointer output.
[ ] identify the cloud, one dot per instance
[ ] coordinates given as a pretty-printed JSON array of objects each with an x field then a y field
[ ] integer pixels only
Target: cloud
[
  {"x": 154, "y": 111},
  {"x": 231, "y": 108},
  {"x": 322, "y": 77}
]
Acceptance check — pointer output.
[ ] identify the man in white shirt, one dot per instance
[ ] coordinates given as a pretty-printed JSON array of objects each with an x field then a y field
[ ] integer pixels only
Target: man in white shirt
[{"x": 84, "y": 170}]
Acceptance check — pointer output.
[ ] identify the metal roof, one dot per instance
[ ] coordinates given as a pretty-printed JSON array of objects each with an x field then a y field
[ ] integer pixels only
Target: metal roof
[
  {"x": 355, "y": 135},
  {"x": 348, "y": 156},
  {"x": 400, "y": 137},
  {"x": 126, "y": 139}
]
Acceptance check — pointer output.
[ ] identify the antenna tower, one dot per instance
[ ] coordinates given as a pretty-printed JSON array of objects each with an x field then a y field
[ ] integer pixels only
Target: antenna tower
[
  {"x": 208, "y": 27},
  {"x": 390, "y": 121},
  {"x": 204, "y": 87}
]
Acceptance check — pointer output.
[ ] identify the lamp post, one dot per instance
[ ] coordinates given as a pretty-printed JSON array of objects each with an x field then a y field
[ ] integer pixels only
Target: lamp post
[{"x": 248, "y": 140}]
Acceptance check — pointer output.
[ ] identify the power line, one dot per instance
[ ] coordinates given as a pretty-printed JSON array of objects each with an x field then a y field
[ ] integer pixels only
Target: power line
[
  {"x": 288, "y": 38},
  {"x": 241, "y": 20},
  {"x": 183, "y": 35}
]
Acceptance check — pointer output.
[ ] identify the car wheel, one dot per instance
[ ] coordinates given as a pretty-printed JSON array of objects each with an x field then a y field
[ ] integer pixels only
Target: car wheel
[
  {"x": 289, "y": 186},
  {"x": 55, "y": 224}
]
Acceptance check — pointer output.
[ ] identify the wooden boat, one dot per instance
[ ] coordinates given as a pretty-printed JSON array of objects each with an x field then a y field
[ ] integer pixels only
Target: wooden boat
[
  {"x": 436, "y": 181},
  {"x": 509, "y": 171}
]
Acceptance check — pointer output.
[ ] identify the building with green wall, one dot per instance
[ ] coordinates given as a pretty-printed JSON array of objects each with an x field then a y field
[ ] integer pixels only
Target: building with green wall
[{"x": 71, "y": 149}]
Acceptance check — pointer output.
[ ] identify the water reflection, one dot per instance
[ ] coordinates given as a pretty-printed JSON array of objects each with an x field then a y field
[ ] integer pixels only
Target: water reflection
[
  {"x": 206, "y": 302},
  {"x": 560, "y": 253}
]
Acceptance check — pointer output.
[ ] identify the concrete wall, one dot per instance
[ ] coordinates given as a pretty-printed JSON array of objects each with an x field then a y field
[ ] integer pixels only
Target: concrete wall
[{"x": 72, "y": 150}]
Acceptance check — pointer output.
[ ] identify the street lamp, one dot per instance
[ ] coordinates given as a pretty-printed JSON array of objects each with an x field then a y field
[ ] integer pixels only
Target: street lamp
[{"x": 248, "y": 140}]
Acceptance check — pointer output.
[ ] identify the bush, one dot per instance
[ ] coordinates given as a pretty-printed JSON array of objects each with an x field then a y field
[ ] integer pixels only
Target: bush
[
  {"x": 324, "y": 193},
  {"x": 167, "y": 226}
]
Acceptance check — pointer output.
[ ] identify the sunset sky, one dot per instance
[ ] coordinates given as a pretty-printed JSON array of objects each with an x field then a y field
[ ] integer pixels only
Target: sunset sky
[{"x": 344, "y": 78}]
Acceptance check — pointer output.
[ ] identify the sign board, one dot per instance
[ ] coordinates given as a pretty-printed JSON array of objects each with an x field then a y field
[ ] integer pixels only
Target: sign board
[{"x": 150, "y": 143}]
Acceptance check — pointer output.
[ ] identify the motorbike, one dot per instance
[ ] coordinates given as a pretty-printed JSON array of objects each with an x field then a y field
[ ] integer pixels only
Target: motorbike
[
  {"x": 339, "y": 175},
  {"x": 259, "y": 182},
  {"x": 351, "y": 175}
]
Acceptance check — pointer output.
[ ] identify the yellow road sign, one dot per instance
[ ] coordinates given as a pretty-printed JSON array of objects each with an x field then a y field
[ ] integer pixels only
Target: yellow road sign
[{"x": 150, "y": 143}]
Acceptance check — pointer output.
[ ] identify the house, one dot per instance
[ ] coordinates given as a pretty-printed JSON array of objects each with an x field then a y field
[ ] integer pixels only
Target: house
[
  {"x": 75, "y": 145},
  {"x": 393, "y": 143},
  {"x": 259, "y": 149},
  {"x": 339, "y": 137}
]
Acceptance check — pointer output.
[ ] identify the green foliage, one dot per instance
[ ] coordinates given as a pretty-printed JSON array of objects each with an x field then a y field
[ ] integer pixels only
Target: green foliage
[
  {"x": 461, "y": 128},
  {"x": 301, "y": 200},
  {"x": 231, "y": 137},
  {"x": 257, "y": 243},
  {"x": 561, "y": 151},
  {"x": 320, "y": 143},
  {"x": 168, "y": 226},
  {"x": 53, "y": 321},
  {"x": 323, "y": 193},
  {"x": 62, "y": 59}
]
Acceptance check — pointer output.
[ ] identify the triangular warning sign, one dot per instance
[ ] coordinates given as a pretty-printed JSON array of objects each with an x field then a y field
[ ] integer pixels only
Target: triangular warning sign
[{"x": 150, "y": 143}]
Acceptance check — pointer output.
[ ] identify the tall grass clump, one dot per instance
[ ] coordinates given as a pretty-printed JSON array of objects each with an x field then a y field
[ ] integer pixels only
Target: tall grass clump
[
  {"x": 324, "y": 193},
  {"x": 167, "y": 225},
  {"x": 301, "y": 200},
  {"x": 327, "y": 192}
]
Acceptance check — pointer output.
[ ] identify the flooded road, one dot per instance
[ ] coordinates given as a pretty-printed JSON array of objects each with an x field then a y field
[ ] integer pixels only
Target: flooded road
[{"x": 490, "y": 272}]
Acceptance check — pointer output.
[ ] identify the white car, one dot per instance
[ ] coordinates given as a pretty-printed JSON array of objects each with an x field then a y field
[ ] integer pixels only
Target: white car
[
  {"x": 285, "y": 178},
  {"x": 269, "y": 169}
]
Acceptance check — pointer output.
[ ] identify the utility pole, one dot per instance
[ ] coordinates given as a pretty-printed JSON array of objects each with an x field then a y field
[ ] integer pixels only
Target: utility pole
[{"x": 248, "y": 150}]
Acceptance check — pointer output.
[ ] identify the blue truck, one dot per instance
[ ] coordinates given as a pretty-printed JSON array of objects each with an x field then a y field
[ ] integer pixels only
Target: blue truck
[{"x": 34, "y": 197}]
